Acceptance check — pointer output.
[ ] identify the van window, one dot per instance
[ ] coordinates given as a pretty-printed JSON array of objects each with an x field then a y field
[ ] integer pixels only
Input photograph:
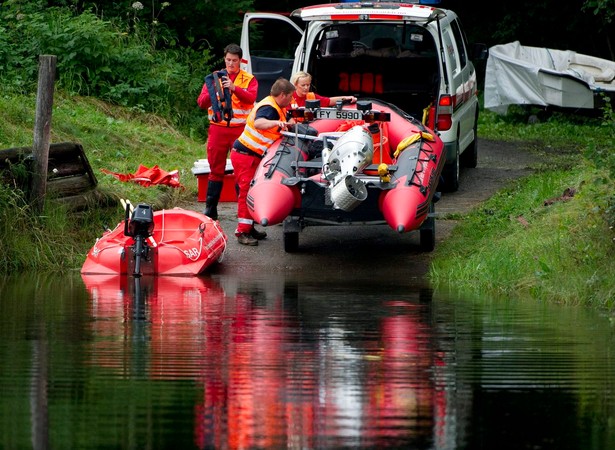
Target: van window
[
  {"x": 461, "y": 44},
  {"x": 402, "y": 39},
  {"x": 270, "y": 48},
  {"x": 394, "y": 62},
  {"x": 449, "y": 48},
  {"x": 272, "y": 39}
]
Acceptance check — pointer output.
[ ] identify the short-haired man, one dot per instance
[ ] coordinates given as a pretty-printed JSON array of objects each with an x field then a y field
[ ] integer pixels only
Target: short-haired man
[
  {"x": 263, "y": 127},
  {"x": 243, "y": 87}
]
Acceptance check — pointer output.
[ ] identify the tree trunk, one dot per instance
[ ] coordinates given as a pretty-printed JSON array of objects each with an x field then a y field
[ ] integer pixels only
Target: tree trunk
[{"x": 42, "y": 129}]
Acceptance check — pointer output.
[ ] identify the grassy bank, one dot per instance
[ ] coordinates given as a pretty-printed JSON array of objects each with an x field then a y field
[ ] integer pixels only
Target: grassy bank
[
  {"x": 114, "y": 138},
  {"x": 550, "y": 235}
]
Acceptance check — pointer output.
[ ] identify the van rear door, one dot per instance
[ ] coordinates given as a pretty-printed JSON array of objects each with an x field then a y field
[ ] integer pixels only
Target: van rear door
[{"x": 269, "y": 42}]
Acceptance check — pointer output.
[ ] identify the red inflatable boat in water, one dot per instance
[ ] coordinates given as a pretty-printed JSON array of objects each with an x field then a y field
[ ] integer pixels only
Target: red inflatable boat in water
[
  {"x": 350, "y": 165},
  {"x": 167, "y": 242}
]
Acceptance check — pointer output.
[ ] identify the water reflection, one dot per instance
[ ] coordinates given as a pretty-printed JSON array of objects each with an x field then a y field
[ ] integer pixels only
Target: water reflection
[
  {"x": 271, "y": 362},
  {"x": 274, "y": 370}
]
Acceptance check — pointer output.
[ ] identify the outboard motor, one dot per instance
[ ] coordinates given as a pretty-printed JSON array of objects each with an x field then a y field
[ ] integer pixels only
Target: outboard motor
[
  {"x": 140, "y": 227},
  {"x": 351, "y": 153}
]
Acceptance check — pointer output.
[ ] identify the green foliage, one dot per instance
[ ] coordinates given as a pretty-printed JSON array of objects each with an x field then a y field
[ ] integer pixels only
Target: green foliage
[
  {"x": 561, "y": 250},
  {"x": 602, "y": 159},
  {"x": 41, "y": 242},
  {"x": 113, "y": 61},
  {"x": 213, "y": 24},
  {"x": 604, "y": 10},
  {"x": 114, "y": 138}
]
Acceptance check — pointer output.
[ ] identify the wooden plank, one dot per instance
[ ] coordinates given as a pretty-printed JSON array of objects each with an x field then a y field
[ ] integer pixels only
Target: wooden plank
[
  {"x": 87, "y": 166},
  {"x": 61, "y": 187},
  {"x": 60, "y": 151},
  {"x": 65, "y": 169},
  {"x": 67, "y": 158},
  {"x": 88, "y": 199}
]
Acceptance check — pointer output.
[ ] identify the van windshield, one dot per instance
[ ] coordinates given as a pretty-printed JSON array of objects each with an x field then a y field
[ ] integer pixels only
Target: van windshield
[
  {"x": 387, "y": 40},
  {"x": 394, "y": 62}
]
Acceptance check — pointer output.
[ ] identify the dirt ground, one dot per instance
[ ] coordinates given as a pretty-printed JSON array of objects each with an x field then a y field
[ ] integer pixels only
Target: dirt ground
[{"x": 354, "y": 251}]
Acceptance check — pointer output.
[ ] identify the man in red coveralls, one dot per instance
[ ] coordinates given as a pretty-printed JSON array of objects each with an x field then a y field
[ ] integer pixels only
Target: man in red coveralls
[
  {"x": 264, "y": 126},
  {"x": 222, "y": 134}
]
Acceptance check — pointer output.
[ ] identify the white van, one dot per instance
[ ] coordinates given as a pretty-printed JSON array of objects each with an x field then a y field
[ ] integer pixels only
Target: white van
[{"x": 414, "y": 56}]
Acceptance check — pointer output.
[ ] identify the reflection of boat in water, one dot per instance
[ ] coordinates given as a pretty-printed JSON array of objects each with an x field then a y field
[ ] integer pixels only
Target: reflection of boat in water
[
  {"x": 155, "y": 322},
  {"x": 256, "y": 372},
  {"x": 182, "y": 242},
  {"x": 521, "y": 75},
  {"x": 350, "y": 165}
]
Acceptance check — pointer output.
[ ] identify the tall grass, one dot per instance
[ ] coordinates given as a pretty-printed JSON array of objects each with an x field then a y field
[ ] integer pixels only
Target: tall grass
[
  {"x": 529, "y": 239},
  {"x": 515, "y": 245},
  {"x": 30, "y": 242},
  {"x": 114, "y": 138}
]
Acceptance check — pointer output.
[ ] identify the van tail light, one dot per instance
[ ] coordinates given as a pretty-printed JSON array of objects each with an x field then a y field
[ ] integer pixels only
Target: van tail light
[{"x": 445, "y": 113}]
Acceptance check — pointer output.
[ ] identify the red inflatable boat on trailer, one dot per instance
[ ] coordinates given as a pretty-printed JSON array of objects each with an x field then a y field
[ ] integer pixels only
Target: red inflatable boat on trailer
[
  {"x": 168, "y": 242},
  {"x": 369, "y": 163}
]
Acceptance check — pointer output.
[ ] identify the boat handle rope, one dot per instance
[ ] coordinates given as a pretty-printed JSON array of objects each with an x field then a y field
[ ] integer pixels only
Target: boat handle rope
[
  {"x": 218, "y": 227},
  {"x": 415, "y": 174},
  {"x": 188, "y": 255}
]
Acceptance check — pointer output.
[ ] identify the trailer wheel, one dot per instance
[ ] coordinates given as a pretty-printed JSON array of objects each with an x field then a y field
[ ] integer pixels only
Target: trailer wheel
[
  {"x": 469, "y": 158},
  {"x": 450, "y": 174},
  {"x": 427, "y": 232},
  {"x": 291, "y": 241}
]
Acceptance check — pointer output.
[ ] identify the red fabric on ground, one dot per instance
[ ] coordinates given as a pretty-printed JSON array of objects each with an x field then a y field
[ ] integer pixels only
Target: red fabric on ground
[{"x": 149, "y": 176}]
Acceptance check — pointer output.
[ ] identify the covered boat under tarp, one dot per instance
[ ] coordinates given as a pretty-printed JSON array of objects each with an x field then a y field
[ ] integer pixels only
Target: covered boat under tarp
[{"x": 521, "y": 75}]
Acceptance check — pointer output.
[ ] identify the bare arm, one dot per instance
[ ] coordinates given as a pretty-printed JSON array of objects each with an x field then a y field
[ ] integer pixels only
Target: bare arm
[{"x": 264, "y": 124}]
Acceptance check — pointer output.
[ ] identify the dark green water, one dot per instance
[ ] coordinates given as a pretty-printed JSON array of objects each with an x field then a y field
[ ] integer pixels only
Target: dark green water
[{"x": 228, "y": 363}]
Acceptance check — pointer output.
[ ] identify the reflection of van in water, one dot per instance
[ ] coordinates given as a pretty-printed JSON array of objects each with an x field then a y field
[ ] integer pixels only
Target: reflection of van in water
[{"x": 414, "y": 56}]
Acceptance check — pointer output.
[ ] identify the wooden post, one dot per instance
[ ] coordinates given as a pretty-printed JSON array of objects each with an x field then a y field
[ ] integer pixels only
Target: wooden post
[{"x": 42, "y": 129}]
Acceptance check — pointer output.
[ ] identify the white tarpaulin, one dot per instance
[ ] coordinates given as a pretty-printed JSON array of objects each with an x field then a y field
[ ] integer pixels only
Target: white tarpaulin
[{"x": 522, "y": 75}]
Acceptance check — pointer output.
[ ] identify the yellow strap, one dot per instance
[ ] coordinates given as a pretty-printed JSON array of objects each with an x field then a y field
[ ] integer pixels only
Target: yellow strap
[
  {"x": 426, "y": 113},
  {"x": 427, "y": 136},
  {"x": 411, "y": 140},
  {"x": 405, "y": 143}
]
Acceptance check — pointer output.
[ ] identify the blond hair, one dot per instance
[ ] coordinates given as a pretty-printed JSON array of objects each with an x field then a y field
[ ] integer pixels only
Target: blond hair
[{"x": 298, "y": 75}]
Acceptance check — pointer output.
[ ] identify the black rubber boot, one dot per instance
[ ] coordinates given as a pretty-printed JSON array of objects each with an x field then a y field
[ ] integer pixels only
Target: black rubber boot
[
  {"x": 258, "y": 235},
  {"x": 214, "y": 189}
]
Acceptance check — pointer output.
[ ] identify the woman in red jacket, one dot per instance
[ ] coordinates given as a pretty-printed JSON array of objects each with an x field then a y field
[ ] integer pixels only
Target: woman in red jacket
[{"x": 302, "y": 82}]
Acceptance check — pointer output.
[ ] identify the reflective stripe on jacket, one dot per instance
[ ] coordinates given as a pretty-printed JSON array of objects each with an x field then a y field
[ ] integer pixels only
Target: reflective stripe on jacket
[
  {"x": 260, "y": 140},
  {"x": 240, "y": 109}
]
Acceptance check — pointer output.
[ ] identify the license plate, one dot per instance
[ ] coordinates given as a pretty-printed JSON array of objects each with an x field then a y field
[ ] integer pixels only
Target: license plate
[{"x": 344, "y": 114}]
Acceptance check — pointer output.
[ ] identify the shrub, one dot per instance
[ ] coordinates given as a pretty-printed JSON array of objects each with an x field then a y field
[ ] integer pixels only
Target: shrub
[{"x": 106, "y": 59}]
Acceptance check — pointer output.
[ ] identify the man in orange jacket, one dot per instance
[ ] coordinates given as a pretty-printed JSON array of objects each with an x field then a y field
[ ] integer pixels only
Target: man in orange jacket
[
  {"x": 222, "y": 134},
  {"x": 264, "y": 126}
]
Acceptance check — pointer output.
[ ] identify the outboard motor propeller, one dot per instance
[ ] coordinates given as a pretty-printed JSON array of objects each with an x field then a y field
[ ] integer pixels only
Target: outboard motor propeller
[
  {"x": 352, "y": 152},
  {"x": 140, "y": 227}
]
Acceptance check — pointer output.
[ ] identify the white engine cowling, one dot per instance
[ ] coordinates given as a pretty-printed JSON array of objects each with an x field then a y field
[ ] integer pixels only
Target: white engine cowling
[{"x": 352, "y": 152}]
